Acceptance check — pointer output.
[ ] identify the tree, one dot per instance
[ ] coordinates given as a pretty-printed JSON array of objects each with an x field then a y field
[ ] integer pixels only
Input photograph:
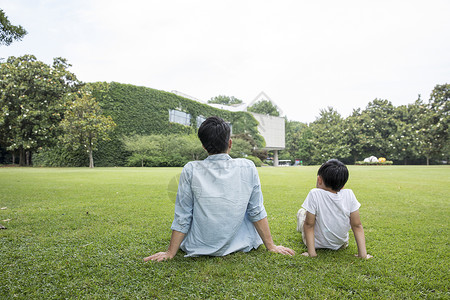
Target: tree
[
  {"x": 84, "y": 125},
  {"x": 305, "y": 146},
  {"x": 9, "y": 32},
  {"x": 404, "y": 142},
  {"x": 142, "y": 147},
  {"x": 329, "y": 139},
  {"x": 372, "y": 131},
  {"x": 226, "y": 100},
  {"x": 355, "y": 133},
  {"x": 434, "y": 130},
  {"x": 246, "y": 128},
  {"x": 264, "y": 107},
  {"x": 32, "y": 103},
  {"x": 240, "y": 148},
  {"x": 191, "y": 147},
  {"x": 247, "y": 137},
  {"x": 294, "y": 131}
]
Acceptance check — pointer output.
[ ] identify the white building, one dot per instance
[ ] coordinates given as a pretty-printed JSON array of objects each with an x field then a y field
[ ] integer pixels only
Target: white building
[{"x": 271, "y": 128}]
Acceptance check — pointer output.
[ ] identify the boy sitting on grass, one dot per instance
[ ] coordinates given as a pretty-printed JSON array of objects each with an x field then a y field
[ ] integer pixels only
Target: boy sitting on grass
[{"x": 329, "y": 212}]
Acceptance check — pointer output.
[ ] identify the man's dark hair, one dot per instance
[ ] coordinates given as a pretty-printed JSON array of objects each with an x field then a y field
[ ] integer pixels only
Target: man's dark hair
[
  {"x": 334, "y": 174},
  {"x": 214, "y": 133}
]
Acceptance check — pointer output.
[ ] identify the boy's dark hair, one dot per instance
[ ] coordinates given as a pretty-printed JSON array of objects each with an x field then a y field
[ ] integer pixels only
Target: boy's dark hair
[
  {"x": 334, "y": 174},
  {"x": 214, "y": 133}
]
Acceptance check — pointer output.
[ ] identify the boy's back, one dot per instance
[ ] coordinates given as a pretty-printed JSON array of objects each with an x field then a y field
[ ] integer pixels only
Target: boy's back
[
  {"x": 329, "y": 212},
  {"x": 332, "y": 211}
]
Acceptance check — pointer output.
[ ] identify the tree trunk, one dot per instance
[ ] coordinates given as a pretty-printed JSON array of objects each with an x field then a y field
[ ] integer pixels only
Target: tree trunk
[
  {"x": 21, "y": 157},
  {"x": 14, "y": 157},
  {"x": 27, "y": 157},
  {"x": 428, "y": 161},
  {"x": 91, "y": 158},
  {"x": 142, "y": 162}
]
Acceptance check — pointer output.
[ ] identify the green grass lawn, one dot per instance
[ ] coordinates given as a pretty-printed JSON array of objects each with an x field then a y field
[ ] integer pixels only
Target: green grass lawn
[{"x": 80, "y": 233}]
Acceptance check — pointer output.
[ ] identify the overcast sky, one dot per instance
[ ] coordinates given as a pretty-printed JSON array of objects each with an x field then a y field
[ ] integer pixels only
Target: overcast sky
[{"x": 305, "y": 55}]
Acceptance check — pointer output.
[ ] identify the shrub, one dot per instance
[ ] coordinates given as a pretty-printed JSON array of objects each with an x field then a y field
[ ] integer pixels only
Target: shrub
[
  {"x": 261, "y": 154},
  {"x": 60, "y": 157},
  {"x": 240, "y": 148},
  {"x": 162, "y": 150},
  {"x": 268, "y": 162},
  {"x": 255, "y": 160}
]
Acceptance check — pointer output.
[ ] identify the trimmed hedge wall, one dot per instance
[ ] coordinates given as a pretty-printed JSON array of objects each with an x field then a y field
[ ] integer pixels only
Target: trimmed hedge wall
[{"x": 145, "y": 111}]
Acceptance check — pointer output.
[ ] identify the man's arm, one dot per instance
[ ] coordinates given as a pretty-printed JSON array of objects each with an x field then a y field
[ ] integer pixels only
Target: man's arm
[
  {"x": 358, "y": 232},
  {"x": 262, "y": 226},
  {"x": 175, "y": 242},
  {"x": 308, "y": 228}
]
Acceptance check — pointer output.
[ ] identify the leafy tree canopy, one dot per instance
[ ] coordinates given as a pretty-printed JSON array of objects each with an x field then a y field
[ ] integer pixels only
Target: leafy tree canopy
[
  {"x": 295, "y": 140},
  {"x": 264, "y": 107},
  {"x": 226, "y": 100},
  {"x": 9, "y": 32},
  {"x": 32, "y": 102},
  {"x": 84, "y": 125},
  {"x": 329, "y": 139},
  {"x": 435, "y": 121},
  {"x": 240, "y": 148}
]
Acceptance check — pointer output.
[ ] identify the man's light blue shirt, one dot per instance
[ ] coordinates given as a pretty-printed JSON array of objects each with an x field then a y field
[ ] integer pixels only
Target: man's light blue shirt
[{"x": 217, "y": 202}]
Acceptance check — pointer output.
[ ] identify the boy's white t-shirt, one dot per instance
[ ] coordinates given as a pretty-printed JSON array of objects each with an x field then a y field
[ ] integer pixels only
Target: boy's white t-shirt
[{"x": 332, "y": 213}]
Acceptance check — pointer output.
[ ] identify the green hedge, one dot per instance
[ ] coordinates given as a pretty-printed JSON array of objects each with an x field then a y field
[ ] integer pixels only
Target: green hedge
[
  {"x": 145, "y": 111},
  {"x": 60, "y": 157}
]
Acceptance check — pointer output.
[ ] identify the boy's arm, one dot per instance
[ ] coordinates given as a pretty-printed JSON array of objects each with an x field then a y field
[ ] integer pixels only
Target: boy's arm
[
  {"x": 262, "y": 227},
  {"x": 308, "y": 228},
  {"x": 358, "y": 232},
  {"x": 175, "y": 242}
]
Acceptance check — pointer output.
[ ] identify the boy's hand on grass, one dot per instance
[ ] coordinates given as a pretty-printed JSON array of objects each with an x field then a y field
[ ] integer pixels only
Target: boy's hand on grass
[
  {"x": 282, "y": 250},
  {"x": 308, "y": 255},
  {"x": 366, "y": 257},
  {"x": 160, "y": 256}
]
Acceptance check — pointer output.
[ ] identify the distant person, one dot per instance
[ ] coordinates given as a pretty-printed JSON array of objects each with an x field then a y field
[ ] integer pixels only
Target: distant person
[
  {"x": 329, "y": 211},
  {"x": 219, "y": 206}
]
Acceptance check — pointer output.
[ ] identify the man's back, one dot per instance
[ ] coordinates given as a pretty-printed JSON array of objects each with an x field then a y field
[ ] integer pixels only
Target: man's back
[
  {"x": 219, "y": 207},
  {"x": 217, "y": 201}
]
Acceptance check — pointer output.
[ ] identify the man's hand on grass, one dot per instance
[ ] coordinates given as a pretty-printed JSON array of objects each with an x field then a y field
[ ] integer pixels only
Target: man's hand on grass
[
  {"x": 160, "y": 256},
  {"x": 366, "y": 257},
  {"x": 308, "y": 255},
  {"x": 282, "y": 250}
]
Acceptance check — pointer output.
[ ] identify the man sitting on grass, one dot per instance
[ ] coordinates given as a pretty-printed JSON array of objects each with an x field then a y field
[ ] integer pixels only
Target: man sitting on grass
[
  {"x": 219, "y": 206},
  {"x": 329, "y": 212}
]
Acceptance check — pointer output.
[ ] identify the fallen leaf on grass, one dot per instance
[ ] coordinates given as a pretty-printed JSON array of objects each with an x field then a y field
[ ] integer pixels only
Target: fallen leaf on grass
[
  {"x": 7, "y": 220},
  {"x": 3, "y": 227},
  {"x": 3, "y": 208}
]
